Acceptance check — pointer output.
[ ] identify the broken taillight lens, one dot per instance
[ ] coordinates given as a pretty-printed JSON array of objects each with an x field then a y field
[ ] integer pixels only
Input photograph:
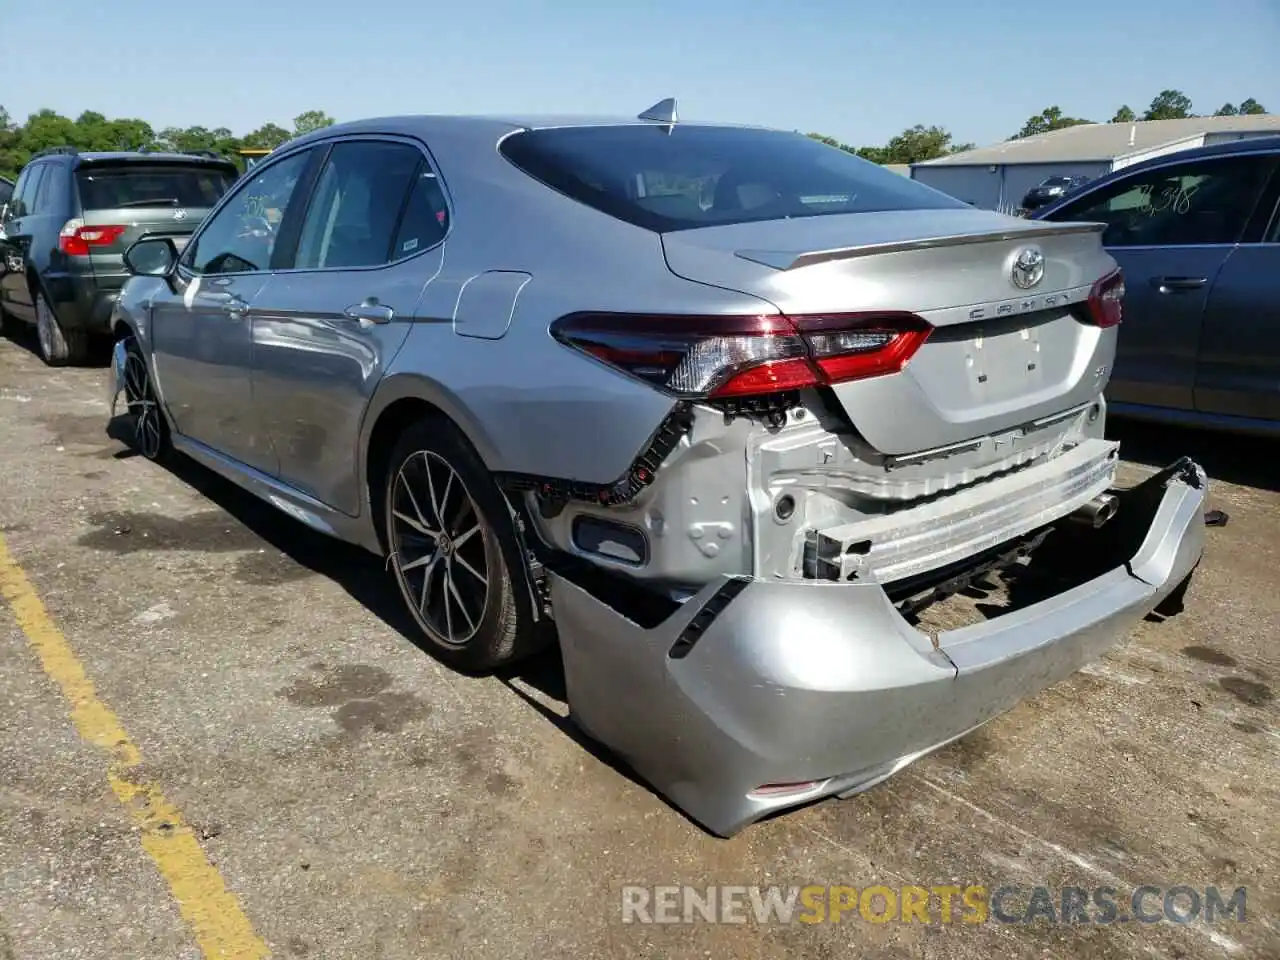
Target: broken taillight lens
[
  {"x": 737, "y": 356},
  {"x": 1106, "y": 300}
]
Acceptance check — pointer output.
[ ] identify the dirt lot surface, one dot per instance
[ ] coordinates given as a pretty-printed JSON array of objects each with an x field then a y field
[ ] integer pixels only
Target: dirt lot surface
[{"x": 359, "y": 800}]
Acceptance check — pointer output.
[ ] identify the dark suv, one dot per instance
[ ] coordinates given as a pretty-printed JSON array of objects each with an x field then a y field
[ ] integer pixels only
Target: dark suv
[{"x": 70, "y": 219}]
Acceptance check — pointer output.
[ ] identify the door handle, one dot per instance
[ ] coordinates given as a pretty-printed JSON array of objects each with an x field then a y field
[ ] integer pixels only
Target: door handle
[
  {"x": 371, "y": 311},
  {"x": 1178, "y": 284}
]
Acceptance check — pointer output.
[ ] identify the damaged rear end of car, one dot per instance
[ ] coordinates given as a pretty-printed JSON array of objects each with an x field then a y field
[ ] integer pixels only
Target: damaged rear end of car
[{"x": 777, "y": 602}]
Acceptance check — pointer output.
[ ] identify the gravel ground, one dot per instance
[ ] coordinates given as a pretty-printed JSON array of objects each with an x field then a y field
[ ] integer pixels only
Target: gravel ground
[{"x": 362, "y": 801}]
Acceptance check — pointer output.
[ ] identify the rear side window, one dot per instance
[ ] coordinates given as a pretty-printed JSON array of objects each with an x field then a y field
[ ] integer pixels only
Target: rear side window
[
  {"x": 678, "y": 178},
  {"x": 426, "y": 216},
  {"x": 150, "y": 185},
  {"x": 352, "y": 217},
  {"x": 45, "y": 200}
]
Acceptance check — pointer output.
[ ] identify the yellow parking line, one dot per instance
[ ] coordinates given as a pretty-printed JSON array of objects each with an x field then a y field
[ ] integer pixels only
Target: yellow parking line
[{"x": 220, "y": 926}]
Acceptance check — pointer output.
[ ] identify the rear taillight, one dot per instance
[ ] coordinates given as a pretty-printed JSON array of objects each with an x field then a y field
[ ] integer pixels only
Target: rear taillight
[
  {"x": 77, "y": 240},
  {"x": 1106, "y": 300},
  {"x": 737, "y": 356}
]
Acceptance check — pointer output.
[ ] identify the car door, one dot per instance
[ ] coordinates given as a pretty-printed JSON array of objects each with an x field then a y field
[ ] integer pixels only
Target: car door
[
  {"x": 10, "y": 260},
  {"x": 201, "y": 325},
  {"x": 1239, "y": 369},
  {"x": 326, "y": 329},
  {"x": 18, "y": 300},
  {"x": 1171, "y": 228}
]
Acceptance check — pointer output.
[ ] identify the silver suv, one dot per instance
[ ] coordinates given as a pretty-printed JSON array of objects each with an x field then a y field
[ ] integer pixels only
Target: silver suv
[{"x": 728, "y": 413}]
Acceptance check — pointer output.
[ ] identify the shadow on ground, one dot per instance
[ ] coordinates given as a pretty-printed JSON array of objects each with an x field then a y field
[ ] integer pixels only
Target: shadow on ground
[
  {"x": 1232, "y": 458},
  {"x": 24, "y": 335},
  {"x": 364, "y": 577}
]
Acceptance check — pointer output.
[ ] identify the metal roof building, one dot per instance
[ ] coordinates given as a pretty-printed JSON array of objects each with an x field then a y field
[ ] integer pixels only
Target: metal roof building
[{"x": 998, "y": 176}]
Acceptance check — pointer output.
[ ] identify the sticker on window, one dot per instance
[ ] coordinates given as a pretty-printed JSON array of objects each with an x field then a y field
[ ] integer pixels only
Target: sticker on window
[{"x": 409, "y": 245}]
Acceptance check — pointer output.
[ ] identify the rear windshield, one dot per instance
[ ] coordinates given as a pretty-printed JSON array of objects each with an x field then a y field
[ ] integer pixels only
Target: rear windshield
[
  {"x": 678, "y": 178},
  {"x": 1056, "y": 182},
  {"x": 151, "y": 185}
]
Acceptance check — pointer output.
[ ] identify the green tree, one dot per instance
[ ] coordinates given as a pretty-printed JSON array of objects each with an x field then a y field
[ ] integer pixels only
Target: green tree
[
  {"x": 1048, "y": 119},
  {"x": 919, "y": 143},
  {"x": 268, "y": 136},
  {"x": 310, "y": 121},
  {"x": 1251, "y": 107},
  {"x": 829, "y": 141},
  {"x": 1227, "y": 110},
  {"x": 1124, "y": 115},
  {"x": 1169, "y": 105}
]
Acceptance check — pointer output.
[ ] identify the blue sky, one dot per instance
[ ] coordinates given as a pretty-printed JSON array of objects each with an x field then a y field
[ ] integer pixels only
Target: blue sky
[{"x": 858, "y": 71}]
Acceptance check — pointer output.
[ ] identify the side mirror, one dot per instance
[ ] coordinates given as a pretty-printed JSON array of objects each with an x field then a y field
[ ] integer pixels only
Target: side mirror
[{"x": 151, "y": 257}]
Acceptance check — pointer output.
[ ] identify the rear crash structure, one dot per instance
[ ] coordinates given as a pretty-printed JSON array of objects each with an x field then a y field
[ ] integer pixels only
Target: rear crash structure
[{"x": 812, "y": 675}]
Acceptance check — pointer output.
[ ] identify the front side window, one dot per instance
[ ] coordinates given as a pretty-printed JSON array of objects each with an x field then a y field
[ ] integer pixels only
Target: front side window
[
  {"x": 242, "y": 234},
  {"x": 357, "y": 206},
  {"x": 1204, "y": 201},
  {"x": 15, "y": 201},
  {"x": 677, "y": 178}
]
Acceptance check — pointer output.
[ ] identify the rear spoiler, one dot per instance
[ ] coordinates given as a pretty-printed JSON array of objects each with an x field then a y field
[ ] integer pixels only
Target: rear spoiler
[
  {"x": 161, "y": 159},
  {"x": 792, "y": 260}
]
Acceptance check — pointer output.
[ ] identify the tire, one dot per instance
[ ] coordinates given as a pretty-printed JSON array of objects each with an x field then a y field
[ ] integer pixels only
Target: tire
[
  {"x": 460, "y": 578},
  {"x": 58, "y": 347},
  {"x": 149, "y": 432}
]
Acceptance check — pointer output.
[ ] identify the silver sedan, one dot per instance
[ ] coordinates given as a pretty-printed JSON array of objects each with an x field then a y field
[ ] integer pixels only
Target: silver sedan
[{"x": 724, "y": 412}]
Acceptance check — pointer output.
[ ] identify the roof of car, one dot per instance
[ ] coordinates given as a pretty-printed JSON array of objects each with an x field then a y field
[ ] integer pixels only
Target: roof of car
[
  {"x": 426, "y": 125},
  {"x": 116, "y": 156}
]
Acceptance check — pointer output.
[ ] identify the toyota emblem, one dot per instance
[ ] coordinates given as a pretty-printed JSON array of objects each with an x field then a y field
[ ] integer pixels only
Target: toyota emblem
[{"x": 1028, "y": 268}]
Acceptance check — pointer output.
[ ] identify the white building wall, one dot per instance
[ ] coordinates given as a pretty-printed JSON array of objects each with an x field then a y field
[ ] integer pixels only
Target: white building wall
[
  {"x": 999, "y": 186},
  {"x": 974, "y": 185}
]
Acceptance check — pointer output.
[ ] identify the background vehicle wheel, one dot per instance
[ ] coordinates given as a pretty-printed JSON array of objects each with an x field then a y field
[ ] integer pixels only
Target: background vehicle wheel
[
  {"x": 58, "y": 347},
  {"x": 150, "y": 436},
  {"x": 454, "y": 550}
]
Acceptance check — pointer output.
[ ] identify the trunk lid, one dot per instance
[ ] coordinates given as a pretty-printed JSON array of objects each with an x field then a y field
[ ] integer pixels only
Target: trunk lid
[{"x": 1000, "y": 357}]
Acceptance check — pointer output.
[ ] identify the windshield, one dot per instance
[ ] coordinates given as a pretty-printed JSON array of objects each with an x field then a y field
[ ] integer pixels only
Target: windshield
[
  {"x": 140, "y": 185},
  {"x": 678, "y": 178},
  {"x": 1056, "y": 182}
]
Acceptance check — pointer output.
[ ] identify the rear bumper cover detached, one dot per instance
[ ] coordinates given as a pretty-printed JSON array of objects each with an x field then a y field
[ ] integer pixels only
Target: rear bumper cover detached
[{"x": 826, "y": 684}]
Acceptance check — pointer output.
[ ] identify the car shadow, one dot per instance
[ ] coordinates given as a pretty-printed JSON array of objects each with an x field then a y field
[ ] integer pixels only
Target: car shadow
[
  {"x": 366, "y": 579},
  {"x": 23, "y": 335},
  {"x": 360, "y": 573},
  {"x": 1232, "y": 458}
]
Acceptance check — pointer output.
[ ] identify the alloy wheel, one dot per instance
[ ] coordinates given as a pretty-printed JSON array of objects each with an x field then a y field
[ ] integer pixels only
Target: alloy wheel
[
  {"x": 148, "y": 437},
  {"x": 440, "y": 548}
]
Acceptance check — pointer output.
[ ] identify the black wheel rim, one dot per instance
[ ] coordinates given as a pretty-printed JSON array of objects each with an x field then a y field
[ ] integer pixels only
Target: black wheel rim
[
  {"x": 439, "y": 548},
  {"x": 141, "y": 402}
]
